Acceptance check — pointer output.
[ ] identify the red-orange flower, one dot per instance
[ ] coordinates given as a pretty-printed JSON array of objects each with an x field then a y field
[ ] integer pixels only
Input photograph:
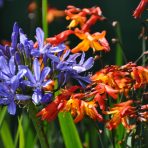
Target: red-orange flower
[
  {"x": 84, "y": 17},
  {"x": 59, "y": 38},
  {"x": 139, "y": 10},
  {"x": 96, "y": 41},
  {"x": 121, "y": 113},
  {"x": 79, "y": 108}
]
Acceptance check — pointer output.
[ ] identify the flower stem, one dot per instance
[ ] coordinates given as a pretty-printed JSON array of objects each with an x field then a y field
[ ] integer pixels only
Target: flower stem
[
  {"x": 32, "y": 110},
  {"x": 44, "y": 17}
]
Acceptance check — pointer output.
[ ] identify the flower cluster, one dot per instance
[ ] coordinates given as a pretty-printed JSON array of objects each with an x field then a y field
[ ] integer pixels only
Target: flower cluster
[
  {"x": 36, "y": 70},
  {"x": 25, "y": 73}
]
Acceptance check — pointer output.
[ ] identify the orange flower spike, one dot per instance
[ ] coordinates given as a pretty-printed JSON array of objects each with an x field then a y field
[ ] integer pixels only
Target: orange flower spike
[
  {"x": 96, "y": 41},
  {"x": 59, "y": 38},
  {"x": 140, "y": 8},
  {"x": 121, "y": 112}
]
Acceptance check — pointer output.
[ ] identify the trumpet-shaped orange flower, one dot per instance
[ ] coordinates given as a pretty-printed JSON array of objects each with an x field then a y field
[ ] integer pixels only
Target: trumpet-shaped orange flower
[
  {"x": 84, "y": 17},
  {"x": 121, "y": 113},
  {"x": 59, "y": 38},
  {"x": 79, "y": 108},
  {"x": 96, "y": 41},
  {"x": 122, "y": 78},
  {"x": 140, "y": 8}
]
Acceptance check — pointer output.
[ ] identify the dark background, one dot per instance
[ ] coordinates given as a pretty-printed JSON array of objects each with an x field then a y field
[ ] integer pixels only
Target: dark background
[{"x": 114, "y": 10}]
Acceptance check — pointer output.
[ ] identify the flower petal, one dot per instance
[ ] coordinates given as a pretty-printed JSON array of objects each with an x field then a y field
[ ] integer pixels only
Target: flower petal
[
  {"x": 12, "y": 66},
  {"x": 40, "y": 37},
  {"x": 44, "y": 73},
  {"x": 36, "y": 68},
  {"x": 22, "y": 97},
  {"x": 12, "y": 108}
]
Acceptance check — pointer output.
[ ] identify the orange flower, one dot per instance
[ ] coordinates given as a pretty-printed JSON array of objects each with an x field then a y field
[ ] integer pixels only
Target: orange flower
[
  {"x": 121, "y": 113},
  {"x": 50, "y": 112},
  {"x": 79, "y": 108},
  {"x": 139, "y": 10},
  {"x": 61, "y": 37},
  {"x": 96, "y": 41},
  {"x": 84, "y": 17}
]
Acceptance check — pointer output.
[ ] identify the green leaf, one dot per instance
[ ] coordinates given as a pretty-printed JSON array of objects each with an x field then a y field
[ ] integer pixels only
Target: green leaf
[
  {"x": 21, "y": 133},
  {"x": 6, "y": 136},
  {"x": 2, "y": 114},
  {"x": 69, "y": 131}
]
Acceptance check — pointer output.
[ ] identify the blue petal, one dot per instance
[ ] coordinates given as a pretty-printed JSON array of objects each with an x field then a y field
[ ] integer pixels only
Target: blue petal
[
  {"x": 53, "y": 57},
  {"x": 59, "y": 48},
  {"x": 21, "y": 73},
  {"x": 36, "y": 68},
  {"x": 28, "y": 83},
  {"x": 40, "y": 37},
  {"x": 46, "y": 98},
  {"x": 22, "y": 97},
  {"x": 4, "y": 101},
  {"x": 4, "y": 65},
  {"x": 12, "y": 66},
  {"x": 30, "y": 76},
  {"x": 73, "y": 57},
  {"x": 23, "y": 37},
  {"x": 12, "y": 108},
  {"x": 35, "y": 52},
  {"x": 65, "y": 55},
  {"x": 14, "y": 83},
  {"x": 89, "y": 63},
  {"x": 17, "y": 58},
  {"x": 44, "y": 73},
  {"x": 14, "y": 35},
  {"x": 37, "y": 96},
  {"x": 82, "y": 59}
]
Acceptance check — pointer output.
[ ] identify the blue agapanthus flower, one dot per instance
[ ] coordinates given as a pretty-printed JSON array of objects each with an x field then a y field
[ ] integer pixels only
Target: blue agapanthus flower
[
  {"x": 9, "y": 70},
  {"x": 46, "y": 50},
  {"x": 8, "y": 95},
  {"x": 10, "y": 50},
  {"x": 37, "y": 80},
  {"x": 68, "y": 67}
]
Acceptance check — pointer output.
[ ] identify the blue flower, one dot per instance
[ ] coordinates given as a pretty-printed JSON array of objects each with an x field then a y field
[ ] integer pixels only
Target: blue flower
[
  {"x": 8, "y": 70},
  {"x": 8, "y": 95},
  {"x": 45, "y": 50},
  {"x": 10, "y": 50},
  {"x": 68, "y": 67},
  {"x": 25, "y": 44},
  {"x": 37, "y": 81}
]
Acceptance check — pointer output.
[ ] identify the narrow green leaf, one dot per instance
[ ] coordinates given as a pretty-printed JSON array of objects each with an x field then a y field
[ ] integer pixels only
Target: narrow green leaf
[
  {"x": 69, "y": 131},
  {"x": 21, "y": 133},
  {"x": 44, "y": 17},
  {"x": 3, "y": 111},
  {"x": 6, "y": 136}
]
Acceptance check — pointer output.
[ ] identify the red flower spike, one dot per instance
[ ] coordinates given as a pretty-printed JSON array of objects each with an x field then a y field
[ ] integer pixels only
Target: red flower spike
[
  {"x": 141, "y": 7},
  {"x": 59, "y": 38}
]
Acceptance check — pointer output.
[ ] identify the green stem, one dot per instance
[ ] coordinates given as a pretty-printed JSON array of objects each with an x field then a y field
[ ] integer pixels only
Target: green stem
[
  {"x": 119, "y": 50},
  {"x": 32, "y": 110},
  {"x": 44, "y": 17}
]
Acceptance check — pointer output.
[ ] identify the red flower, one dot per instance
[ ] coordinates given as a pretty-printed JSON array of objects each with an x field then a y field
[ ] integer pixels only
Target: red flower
[
  {"x": 121, "y": 113},
  {"x": 139, "y": 10},
  {"x": 59, "y": 38}
]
